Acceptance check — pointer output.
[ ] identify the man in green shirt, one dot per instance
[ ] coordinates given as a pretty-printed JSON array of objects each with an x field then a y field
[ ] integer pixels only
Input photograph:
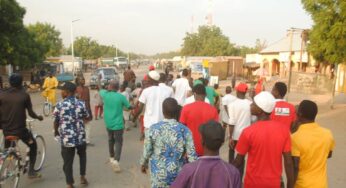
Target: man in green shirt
[
  {"x": 212, "y": 96},
  {"x": 114, "y": 103}
]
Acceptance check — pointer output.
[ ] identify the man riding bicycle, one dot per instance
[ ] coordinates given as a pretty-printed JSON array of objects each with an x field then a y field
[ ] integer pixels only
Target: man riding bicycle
[
  {"x": 14, "y": 102},
  {"x": 49, "y": 86}
]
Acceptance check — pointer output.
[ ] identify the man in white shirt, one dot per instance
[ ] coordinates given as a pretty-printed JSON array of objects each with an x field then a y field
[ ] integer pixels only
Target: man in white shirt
[
  {"x": 166, "y": 90},
  {"x": 239, "y": 119},
  {"x": 152, "y": 97},
  {"x": 182, "y": 88},
  {"x": 226, "y": 103}
]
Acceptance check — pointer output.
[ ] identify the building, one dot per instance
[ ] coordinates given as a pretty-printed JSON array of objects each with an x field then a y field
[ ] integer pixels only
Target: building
[{"x": 275, "y": 58}]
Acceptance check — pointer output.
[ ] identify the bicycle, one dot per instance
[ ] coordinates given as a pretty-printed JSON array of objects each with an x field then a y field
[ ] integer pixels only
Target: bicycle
[
  {"x": 12, "y": 164},
  {"x": 47, "y": 107}
]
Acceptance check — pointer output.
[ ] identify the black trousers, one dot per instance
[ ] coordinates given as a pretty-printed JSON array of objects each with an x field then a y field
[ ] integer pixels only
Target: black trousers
[
  {"x": 27, "y": 137},
  {"x": 231, "y": 157},
  {"x": 68, "y": 154},
  {"x": 115, "y": 143}
]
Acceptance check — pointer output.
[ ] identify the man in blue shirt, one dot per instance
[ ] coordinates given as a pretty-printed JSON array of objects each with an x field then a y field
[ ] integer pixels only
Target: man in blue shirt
[{"x": 69, "y": 115}]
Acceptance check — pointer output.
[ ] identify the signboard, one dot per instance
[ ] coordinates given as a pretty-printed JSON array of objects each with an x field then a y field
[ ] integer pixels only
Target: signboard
[{"x": 214, "y": 80}]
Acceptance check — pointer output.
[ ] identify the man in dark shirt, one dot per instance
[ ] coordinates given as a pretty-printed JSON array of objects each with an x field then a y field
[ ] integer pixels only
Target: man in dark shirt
[
  {"x": 209, "y": 170},
  {"x": 13, "y": 105}
]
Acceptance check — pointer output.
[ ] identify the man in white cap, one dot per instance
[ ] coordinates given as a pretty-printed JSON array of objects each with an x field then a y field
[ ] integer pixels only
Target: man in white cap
[
  {"x": 152, "y": 98},
  {"x": 265, "y": 142}
]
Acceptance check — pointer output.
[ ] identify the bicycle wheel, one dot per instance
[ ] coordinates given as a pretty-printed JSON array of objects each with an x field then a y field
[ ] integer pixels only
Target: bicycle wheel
[
  {"x": 46, "y": 109},
  {"x": 41, "y": 152},
  {"x": 10, "y": 171}
]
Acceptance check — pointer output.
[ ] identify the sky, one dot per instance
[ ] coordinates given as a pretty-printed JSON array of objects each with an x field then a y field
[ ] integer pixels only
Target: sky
[{"x": 153, "y": 26}]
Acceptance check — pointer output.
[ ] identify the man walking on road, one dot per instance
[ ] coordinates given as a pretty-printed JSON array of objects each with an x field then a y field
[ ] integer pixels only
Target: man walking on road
[
  {"x": 195, "y": 114},
  {"x": 83, "y": 94},
  {"x": 182, "y": 89},
  {"x": 69, "y": 116},
  {"x": 239, "y": 119},
  {"x": 226, "y": 103},
  {"x": 210, "y": 170},
  {"x": 152, "y": 98},
  {"x": 167, "y": 146},
  {"x": 164, "y": 88},
  {"x": 312, "y": 145},
  {"x": 211, "y": 93},
  {"x": 266, "y": 142},
  {"x": 283, "y": 112},
  {"x": 130, "y": 77},
  {"x": 14, "y": 102},
  {"x": 114, "y": 103}
]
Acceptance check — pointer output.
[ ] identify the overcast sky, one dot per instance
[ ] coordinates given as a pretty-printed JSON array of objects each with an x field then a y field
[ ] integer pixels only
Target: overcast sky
[{"x": 151, "y": 26}]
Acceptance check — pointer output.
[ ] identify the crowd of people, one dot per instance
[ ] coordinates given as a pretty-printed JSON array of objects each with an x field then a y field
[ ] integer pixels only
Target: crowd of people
[{"x": 184, "y": 123}]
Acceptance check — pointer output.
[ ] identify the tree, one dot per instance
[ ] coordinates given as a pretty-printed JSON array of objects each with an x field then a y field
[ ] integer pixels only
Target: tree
[
  {"x": 48, "y": 37},
  {"x": 166, "y": 55},
  {"x": 328, "y": 34},
  {"x": 17, "y": 46},
  {"x": 208, "y": 41},
  {"x": 87, "y": 48},
  {"x": 260, "y": 45}
]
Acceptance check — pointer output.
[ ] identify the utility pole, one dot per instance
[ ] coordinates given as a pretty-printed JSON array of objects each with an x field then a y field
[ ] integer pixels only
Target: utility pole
[
  {"x": 209, "y": 17},
  {"x": 72, "y": 41},
  {"x": 290, "y": 62},
  {"x": 116, "y": 51}
]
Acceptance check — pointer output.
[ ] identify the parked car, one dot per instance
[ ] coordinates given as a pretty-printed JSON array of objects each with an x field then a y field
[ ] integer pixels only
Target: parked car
[{"x": 106, "y": 74}]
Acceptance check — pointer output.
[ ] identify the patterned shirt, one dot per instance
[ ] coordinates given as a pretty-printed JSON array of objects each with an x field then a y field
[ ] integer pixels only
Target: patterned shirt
[
  {"x": 167, "y": 145},
  {"x": 69, "y": 114}
]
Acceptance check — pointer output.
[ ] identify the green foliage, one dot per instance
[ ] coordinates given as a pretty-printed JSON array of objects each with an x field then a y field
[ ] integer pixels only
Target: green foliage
[
  {"x": 48, "y": 37},
  {"x": 87, "y": 48},
  {"x": 17, "y": 46},
  {"x": 328, "y": 34},
  {"x": 166, "y": 55},
  {"x": 208, "y": 41}
]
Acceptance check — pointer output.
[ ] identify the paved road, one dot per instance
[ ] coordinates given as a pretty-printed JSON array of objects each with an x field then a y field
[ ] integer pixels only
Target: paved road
[{"x": 100, "y": 175}]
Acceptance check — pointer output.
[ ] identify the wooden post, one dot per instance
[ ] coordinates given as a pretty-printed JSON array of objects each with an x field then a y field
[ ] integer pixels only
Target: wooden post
[
  {"x": 334, "y": 86},
  {"x": 290, "y": 64}
]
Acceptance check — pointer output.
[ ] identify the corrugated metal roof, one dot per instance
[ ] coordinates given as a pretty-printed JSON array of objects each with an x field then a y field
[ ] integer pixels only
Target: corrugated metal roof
[{"x": 283, "y": 45}]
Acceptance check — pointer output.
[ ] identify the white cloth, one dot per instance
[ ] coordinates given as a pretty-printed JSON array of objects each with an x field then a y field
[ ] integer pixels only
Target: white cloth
[
  {"x": 166, "y": 90},
  {"x": 192, "y": 99},
  {"x": 239, "y": 116},
  {"x": 153, "y": 98},
  {"x": 227, "y": 100},
  {"x": 182, "y": 88}
]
